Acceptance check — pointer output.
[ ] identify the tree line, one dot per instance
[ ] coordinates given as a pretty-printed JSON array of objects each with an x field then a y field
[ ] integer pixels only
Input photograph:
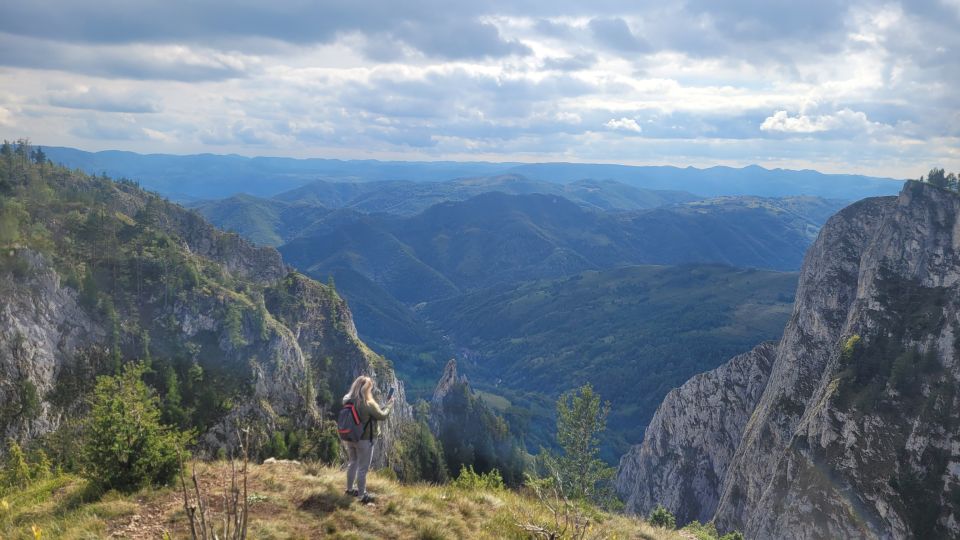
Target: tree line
[{"x": 942, "y": 179}]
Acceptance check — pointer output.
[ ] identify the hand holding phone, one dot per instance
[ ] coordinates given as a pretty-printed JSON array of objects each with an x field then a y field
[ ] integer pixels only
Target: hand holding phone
[{"x": 390, "y": 395}]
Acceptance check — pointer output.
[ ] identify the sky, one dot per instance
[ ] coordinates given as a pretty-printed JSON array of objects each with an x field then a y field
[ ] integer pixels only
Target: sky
[{"x": 860, "y": 86}]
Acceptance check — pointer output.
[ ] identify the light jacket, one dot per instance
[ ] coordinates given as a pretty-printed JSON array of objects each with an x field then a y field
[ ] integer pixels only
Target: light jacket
[{"x": 370, "y": 415}]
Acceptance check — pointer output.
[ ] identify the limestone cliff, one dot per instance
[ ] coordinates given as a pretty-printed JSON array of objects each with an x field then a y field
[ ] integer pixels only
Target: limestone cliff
[
  {"x": 691, "y": 438},
  {"x": 450, "y": 381},
  {"x": 854, "y": 435}
]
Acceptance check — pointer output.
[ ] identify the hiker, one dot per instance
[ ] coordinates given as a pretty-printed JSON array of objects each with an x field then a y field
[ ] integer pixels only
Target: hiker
[{"x": 358, "y": 428}]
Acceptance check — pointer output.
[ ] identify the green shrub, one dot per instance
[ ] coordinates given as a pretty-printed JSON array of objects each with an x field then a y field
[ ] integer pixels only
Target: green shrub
[
  {"x": 708, "y": 531},
  {"x": 702, "y": 531},
  {"x": 277, "y": 447},
  {"x": 233, "y": 325},
  {"x": 468, "y": 479},
  {"x": 849, "y": 347},
  {"x": 16, "y": 470},
  {"x": 661, "y": 517},
  {"x": 126, "y": 447},
  {"x": 40, "y": 465},
  {"x": 29, "y": 399}
]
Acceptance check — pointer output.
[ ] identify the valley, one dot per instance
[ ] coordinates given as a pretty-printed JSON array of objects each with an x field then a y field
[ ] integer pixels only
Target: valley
[{"x": 530, "y": 288}]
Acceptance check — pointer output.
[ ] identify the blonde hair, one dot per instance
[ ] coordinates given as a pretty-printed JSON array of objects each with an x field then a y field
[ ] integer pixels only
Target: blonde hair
[{"x": 360, "y": 390}]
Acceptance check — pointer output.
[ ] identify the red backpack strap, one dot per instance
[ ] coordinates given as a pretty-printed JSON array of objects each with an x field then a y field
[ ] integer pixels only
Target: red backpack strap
[{"x": 353, "y": 409}]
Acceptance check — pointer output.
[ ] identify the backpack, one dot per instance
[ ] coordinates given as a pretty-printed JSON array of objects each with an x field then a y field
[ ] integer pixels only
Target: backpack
[{"x": 348, "y": 423}]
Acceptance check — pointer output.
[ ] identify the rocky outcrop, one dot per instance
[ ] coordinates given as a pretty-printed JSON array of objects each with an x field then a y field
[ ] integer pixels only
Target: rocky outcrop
[
  {"x": 854, "y": 435},
  {"x": 691, "y": 439},
  {"x": 449, "y": 382},
  {"x": 44, "y": 332},
  {"x": 322, "y": 325}
]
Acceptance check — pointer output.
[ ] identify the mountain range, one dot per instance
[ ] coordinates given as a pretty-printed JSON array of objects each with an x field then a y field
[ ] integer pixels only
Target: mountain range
[
  {"x": 838, "y": 423},
  {"x": 275, "y": 220},
  {"x": 422, "y": 286},
  {"x": 224, "y": 175}
]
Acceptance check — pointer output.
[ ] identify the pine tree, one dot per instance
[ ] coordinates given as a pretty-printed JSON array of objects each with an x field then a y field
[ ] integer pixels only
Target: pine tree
[
  {"x": 581, "y": 418},
  {"x": 16, "y": 470},
  {"x": 937, "y": 177},
  {"x": 38, "y": 156},
  {"x": 126, "y": 447}
]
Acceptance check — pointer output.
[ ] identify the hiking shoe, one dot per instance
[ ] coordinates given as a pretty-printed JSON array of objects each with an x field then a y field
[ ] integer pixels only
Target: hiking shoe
[
  {"x": 368, "y": 498},
  {"x": 352, "y": 492}
]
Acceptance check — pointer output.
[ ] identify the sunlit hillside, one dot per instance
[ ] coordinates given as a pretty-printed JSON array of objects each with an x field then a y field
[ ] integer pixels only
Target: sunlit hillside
[{"x": 290, "y": 500}]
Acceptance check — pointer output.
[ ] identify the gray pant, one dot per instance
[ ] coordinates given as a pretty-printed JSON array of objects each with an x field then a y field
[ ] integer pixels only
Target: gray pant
[{"x": 359, "y": 453}]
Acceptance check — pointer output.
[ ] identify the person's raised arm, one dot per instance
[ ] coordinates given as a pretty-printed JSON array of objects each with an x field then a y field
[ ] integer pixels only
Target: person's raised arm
[{"x": 380, "y": 414}]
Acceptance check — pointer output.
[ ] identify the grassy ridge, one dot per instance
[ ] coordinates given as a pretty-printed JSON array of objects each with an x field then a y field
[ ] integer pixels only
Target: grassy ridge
[{"x": 292, "y": 501}]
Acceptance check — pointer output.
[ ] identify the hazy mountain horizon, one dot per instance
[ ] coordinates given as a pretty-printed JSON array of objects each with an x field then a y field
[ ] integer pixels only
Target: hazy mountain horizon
[{"x": 211, "y": 176}]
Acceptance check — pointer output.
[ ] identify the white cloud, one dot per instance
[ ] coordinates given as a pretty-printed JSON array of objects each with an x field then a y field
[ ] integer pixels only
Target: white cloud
[
  {"x": 624, "y": 124},
  {"x": 699, "y": 77},
  {"x": 954, "y": 4},
  {"x": 103, "y": 99},
  {"x": 844, "y": 120}
]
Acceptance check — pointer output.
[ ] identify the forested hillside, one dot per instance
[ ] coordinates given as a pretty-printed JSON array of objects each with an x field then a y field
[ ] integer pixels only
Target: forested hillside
[
  {"x": 274, "y": 221},
  {"x": 265, "y": 222},
  {"x": 98, "y": 275},
  {"x": 407, "y": 198},
  {"x": 495, "y": 238},
  {"x": 634, "y": 333},
  {"x": 416, "y": 285}
]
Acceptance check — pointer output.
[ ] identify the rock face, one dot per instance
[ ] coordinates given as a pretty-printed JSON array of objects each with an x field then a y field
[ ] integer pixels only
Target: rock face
[
  {"x": 323, "y": 327},
  {"x": 43, "y": 330},
  {"x": 448, "y": 382},
  {"x": 854, "y": 435},
  {"x": 279, "y": 347},
  {"x": 691, "y": 439}
]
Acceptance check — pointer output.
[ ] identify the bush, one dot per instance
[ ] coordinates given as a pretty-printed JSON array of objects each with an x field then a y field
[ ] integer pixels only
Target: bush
[
  {"x": 708, "y": 531},
  {"x": 701, "y": 531},
  {"x": 16, "y": 470},
  {"x": 126, "y": 447},
  {"x": 29, "y": 399},
  {"x": 470, "y": 480},
  {"x": 661, "y": 517}
]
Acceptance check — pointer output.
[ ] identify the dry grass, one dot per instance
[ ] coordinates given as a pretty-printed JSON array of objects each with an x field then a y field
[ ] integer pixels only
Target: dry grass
[{"x": 289, "y": 501}]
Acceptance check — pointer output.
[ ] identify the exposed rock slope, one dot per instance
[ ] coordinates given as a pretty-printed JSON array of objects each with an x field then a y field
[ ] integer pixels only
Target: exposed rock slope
[
  {"x": 449, "y": 382},
  {"x": 855, "y": 433},
  {"x": 691, "y": 439}
]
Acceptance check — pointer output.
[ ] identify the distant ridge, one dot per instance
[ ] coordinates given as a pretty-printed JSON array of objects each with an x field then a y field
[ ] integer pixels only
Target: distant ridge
[{"x": 210, "y": 176}]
